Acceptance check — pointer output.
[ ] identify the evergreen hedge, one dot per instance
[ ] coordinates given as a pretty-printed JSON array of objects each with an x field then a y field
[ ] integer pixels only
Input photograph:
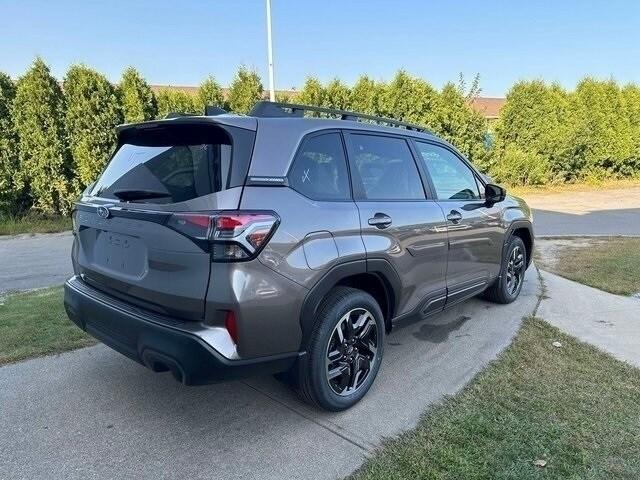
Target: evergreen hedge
[
  {"x": 44, "y": 162},
  {"x": 137, "y": 99},
  {"x": 52, "y": 144},
  {"x": 92, "y": 112}
]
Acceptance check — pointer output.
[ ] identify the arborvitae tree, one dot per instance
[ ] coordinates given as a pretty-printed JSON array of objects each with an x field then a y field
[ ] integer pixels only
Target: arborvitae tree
[
  {"x": 176, "y": 101},
  {"x": 312, "y": 93},
  {"x": 138, "y": 101},
  {"x": 601, "y": 135},
  {"x": 286, "y": 97},
  {"x": 365, "y": 96},
  {"x": 459, "y": 124},
  {"x": 92, "y": 113},
  {"x": 336, "y": 95},
  {"x": 631, "y": 96},
  {"x": 535, "y": 119},
  {"x": 409, "y": 99},
  {"x": 10, "y": 196},
  {"x": 246, "y": 89},
  {"x": 210, "y": 93},
  {"x": 38, "y": 112}
]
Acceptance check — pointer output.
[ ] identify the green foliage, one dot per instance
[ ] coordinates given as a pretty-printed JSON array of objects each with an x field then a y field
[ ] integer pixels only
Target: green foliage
[
  {"x": 44, "y": 161},
  {"x": 455, "y": 121},
  {"x": 336, "y": 95},
  {"x": 600, "y": 134},
  {"x": 53, "y": 143},
  {"x": 138, "y": 101},
  {"x": 518, "y": 167},
  {"x": 10, "y": 195},
  {"x": 535, "y": 119},
  {"x": 590, "y": 134},
  {"x": 176, "y": 101},
  {"x": 210, "y": 93},
  {"x": 92, "y": 113},
  {"x": 245, "y": 91},
  {"x": 286, "y": 97},
  {"x": 366, "y": 96},
  {"x": 312, "y": 93},
  {"x": 409, "y": 99}
]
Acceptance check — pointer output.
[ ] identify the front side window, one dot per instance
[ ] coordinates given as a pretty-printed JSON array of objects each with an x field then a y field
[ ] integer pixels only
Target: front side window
[
  {"x": 452, "y": 178},
  {"x": 319, "y": 170},
  {"x": 385, "y": 168}
]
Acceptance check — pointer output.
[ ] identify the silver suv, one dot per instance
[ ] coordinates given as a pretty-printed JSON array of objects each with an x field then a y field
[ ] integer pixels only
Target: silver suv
[{"x": 221, "y": 246}]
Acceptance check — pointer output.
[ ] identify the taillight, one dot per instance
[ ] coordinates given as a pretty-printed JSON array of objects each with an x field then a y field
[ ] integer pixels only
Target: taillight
[{"x": 231, "y": 235}]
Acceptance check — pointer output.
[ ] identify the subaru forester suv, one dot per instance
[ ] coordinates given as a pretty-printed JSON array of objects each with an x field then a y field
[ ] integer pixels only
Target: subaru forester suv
[{"x": 221, "y": 246}]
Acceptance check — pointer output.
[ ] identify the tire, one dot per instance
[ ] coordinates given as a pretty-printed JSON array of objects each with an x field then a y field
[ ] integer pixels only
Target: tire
[
  {"x": 514, "y": 265},
  {"x": 325, "y": 374}
]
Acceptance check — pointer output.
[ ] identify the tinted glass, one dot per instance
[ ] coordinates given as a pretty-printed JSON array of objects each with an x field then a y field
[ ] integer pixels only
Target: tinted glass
[
  {"x": 452, "y": 178},
  {"x": 319, "y": 170},
  {"x": 385, "y": 168},
  {"x": 173, "y": 173}
]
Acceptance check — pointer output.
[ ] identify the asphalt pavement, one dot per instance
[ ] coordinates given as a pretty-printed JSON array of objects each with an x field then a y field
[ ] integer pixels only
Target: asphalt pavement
[
  {"x": 93, "y": 413},
  {"x": 598, "y": 212}
]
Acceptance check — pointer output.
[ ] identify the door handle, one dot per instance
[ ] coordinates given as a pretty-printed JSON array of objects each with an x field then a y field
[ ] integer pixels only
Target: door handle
[
  {"x": 454, "y": 216},
  {"x": 380, "y": 220}
]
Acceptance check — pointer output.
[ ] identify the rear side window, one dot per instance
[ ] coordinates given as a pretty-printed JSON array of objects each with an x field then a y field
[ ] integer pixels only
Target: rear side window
[
  {"x": 451, "y": 177},
  {"x": 167, "y": 165},
  {"x": 385, "y": 168},
  {"x": 319, "y": 170}
]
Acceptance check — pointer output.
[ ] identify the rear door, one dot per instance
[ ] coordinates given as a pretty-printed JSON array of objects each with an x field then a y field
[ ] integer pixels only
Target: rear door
[
  {"x": 475, "y": 232},
  {"x": 399, "y": 223},
  {"x": 134, "y": 232}
]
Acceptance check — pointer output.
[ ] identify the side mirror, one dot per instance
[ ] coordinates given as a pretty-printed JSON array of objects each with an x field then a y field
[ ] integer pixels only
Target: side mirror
[{"x": 494, "y": 193}]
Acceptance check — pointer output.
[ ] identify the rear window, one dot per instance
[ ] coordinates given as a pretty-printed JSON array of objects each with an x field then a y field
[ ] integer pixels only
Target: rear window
[{"x": 168, "y": 164}]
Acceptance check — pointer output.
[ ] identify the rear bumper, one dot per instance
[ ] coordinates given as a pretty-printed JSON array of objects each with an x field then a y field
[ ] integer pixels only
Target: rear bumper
[{"x": 158, "y": 343}]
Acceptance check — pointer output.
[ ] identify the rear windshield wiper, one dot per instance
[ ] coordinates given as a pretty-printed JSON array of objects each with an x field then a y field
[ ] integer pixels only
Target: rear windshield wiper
[{"x": 128, "y": 195}]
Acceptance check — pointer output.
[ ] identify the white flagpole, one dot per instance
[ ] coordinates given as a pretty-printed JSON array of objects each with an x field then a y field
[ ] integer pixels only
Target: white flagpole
[{"x": 272, "y": 92}]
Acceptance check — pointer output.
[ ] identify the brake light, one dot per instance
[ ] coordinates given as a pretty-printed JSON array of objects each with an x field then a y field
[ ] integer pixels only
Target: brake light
[{"x": 231, "y": 235}]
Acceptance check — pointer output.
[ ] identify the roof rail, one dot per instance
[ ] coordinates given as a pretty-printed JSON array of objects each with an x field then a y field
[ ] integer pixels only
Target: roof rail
[{"x": 266, "y": 109}]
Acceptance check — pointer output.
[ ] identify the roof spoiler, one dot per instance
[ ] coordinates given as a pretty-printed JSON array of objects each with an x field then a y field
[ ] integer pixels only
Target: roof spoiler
[{"x": 209, "y": 111}]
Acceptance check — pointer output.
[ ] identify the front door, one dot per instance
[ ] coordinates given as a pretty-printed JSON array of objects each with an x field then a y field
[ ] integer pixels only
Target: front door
[
  {"x": 475, "y": 233},
  {"x": 399, "y": 224}
]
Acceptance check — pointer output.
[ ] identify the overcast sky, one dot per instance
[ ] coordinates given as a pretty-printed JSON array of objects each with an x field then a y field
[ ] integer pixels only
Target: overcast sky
[{"x": 180, "y": 42}]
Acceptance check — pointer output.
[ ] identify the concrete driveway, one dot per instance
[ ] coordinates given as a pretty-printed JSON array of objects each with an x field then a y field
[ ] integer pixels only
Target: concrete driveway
[{"x": 95, "y": 414}]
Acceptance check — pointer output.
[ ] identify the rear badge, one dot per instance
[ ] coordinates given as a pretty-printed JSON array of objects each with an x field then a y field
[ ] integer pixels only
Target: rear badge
[{"x": 103, "y": 212}]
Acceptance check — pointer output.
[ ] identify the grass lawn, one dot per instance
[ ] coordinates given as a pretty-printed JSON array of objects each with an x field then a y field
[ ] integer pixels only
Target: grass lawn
[
  {"x": 574, "y": 407},
  {"x": 34, "y": 324},
  {"x": 33, "y": 223},
  {"x": 611, "y": 264}
]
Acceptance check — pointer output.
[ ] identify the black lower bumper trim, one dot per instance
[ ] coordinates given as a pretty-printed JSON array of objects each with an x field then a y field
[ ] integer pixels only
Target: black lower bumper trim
[{"x": 159, "y": 347}]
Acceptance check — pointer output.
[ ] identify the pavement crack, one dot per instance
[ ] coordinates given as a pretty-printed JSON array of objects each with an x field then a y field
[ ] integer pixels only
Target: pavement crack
[
  {"x": 335, "y": 429},
  {"x": 542, "y": 290}
]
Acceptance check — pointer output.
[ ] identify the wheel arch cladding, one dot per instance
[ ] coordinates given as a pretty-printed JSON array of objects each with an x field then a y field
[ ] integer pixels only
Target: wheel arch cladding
[
  {"x": 524, "y": 233},
  {"x": 353, "y": 274}
]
